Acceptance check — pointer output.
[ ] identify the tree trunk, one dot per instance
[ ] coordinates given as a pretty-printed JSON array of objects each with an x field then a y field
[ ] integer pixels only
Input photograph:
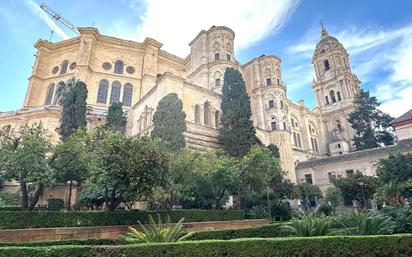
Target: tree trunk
[
  {"x": 24, "y": 196},
  {"x": 113, "y": 201},
  {"x": 36, "y": 197},
  {"x": 69, "y": 203}
]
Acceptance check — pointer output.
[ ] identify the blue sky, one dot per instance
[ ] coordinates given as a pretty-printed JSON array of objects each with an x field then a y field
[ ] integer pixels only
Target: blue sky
[{"x": 377, "y": 35}]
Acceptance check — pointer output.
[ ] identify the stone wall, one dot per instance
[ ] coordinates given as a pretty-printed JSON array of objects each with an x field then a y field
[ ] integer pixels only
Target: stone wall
[{"x": 113, "y": 232}]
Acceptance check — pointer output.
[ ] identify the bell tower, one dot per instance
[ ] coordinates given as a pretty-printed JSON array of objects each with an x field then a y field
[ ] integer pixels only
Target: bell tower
[{"x": 334, "y": 86}]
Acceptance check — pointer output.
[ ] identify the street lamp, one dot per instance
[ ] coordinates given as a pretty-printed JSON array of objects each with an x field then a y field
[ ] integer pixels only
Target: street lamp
[{"x": 362, "y": 183}]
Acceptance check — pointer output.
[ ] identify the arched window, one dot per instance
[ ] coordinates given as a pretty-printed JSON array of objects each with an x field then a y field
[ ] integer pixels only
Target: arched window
[
  {"x": 127, "y": 94},
  {"x": 102, "y": 92},
  {"x": 115, "y": 93},
  {"x": 58, "y": 92},
  {"x": 295, "y": 139},
  {"x": 299, "y": 140},
  {"x": 217, "y": 82},
  {"x": 268, "y": 82},
  {"x": 118, "y": 67},
  {"x": 197, "y": 114},
  {"x": 281, "y": 104},
  {"x": 49, "y": 94},
  {"x": 217, "y": 119},
  {"x": 216, "y": 56},
  {"x": 63, "y": 68},
  {"x": 327, "y": 100},
  {"x": 332, "y": 96},
  {"x": 338, "y": 95},
  {"x": 326, "y": 64},
  {"x": 206, "y": 114},
  {"x": 228, "y": 57}
]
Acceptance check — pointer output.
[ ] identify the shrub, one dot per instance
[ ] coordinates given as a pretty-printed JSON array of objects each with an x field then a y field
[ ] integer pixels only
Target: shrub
[
  {"x": 365, "y": 246},
  {"x": 19, "y": 220},
  {"x": 333, "y": 196},
  {"x": 273, "y": 230},
  {"x": 402, "y": 218},
  {"x": 9, "y": 199},
  {"x": 325, "y": 209},
  {"x": 54, "y": 204},
  {"x": 363, "y": 223},
  {"x": 280, "y": 211},
  {"x": 309, "y": 226},
  {"x": 157, "y": 232}
]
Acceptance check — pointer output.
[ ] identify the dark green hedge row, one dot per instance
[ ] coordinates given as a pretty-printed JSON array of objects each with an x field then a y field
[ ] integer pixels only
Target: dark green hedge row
[
  {"x": 87, "y": 241},
  {"x": 18, "y": 220},
  {"x": 365, "y": 246},
  {"x": 273, "y": 230}
]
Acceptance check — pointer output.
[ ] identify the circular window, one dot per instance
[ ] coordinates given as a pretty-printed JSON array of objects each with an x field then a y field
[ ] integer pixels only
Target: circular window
[
  {"x": 107, "y": 65},
  {"x": 55, "y": 69},
  {"x": 130, "y": 69},
  {"x": 72, "y": 65}
]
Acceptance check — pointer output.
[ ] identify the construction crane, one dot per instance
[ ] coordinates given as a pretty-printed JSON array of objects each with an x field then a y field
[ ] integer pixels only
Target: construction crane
[{"x": 59, "y": 18}]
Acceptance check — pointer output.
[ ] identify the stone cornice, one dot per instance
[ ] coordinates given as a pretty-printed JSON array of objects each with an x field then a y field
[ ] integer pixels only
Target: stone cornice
[
  {"x": 211, "y": 30},
  {"x": 261, "y": 58}
]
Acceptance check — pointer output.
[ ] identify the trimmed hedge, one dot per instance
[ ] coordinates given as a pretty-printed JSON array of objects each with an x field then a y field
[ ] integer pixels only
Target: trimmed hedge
[
  {"x": 20, "y": 220},
  {"x": 270, "y": 231},
  {"x": 87, "y": 241},
  {"x": 365, "y": 246}
]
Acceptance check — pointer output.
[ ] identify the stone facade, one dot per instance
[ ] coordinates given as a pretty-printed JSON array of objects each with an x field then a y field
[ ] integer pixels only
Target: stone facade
[
  {"x": 140, "y": 74},
  {"x": 403, "y": 126}
]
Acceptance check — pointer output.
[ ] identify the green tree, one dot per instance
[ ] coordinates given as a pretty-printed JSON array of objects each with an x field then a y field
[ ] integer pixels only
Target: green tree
[
  {"x": 357, "y": 187},
  {"x": 216, "y": 177},
  {"x": 169, "y": 121},
  {"x": 71, "y": 161},
  {"x": 372, "y": 126},
  {"x": 333, "y": 196},
  {"x": 237, "y": 133},
  {"x": 274, "y": 149},
  {"x": 116, "y": 120},
  {"x": 307, "y": 193},
  {"x": 23, "y": 157},
  {"x": 73, "y": 96},
  {"x": 396, "y": 168},
  {"x": 128, "y": 169}
]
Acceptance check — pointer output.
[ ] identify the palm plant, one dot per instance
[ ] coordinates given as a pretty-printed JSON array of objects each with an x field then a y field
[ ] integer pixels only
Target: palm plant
[
  {"x": 363, "y": 223},
  {"x": 157, "y": 231},
  {"x": 309, "y": 225}
]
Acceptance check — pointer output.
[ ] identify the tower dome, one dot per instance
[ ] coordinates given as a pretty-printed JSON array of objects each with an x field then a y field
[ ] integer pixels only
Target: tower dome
[{"x": 327, "y": 43}]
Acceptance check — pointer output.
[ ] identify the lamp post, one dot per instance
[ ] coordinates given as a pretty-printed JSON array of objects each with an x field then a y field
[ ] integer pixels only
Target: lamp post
[{"x": 362, "y": 183}]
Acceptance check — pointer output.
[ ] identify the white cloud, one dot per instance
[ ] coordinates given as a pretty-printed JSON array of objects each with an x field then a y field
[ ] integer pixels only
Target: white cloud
[
  {"x": 176, "y": 23},
  {"x": 35, "y": 8},
  {"x": 400, "y": 102}
]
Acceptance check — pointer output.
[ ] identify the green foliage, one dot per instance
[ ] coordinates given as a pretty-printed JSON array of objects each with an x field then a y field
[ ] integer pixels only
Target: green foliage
[
  {"x": 92, "y": 196},
  {"x": 280, "y": 211},
  {"x": 357, "y": 187},
  {"x": 401, "y": 216},
  {"x": 9, "y": 199},
  {"x": 88, "y": 241},
  {"x": 333, "y": 196},
  {"x": 73, "y": 96},
  {"x": 23, "y": 157},
  {"x": 372, "y": 126},
  {"x": 157, "y": 231},
  {"x": 116, "y": 120},
  {"x": 54, "y": 204},
  {"x": 396, "y": 168},
  {"x": 363, "y": 223},
  {"x": 169, "y": 121},
  {"x": 267, "y": 231},
  {"x": 71, "y": 160},
  {"x": 325, "y": 209},
  {"x": 366, "y": 246},
  {"x": 19, "y": 220},
  {"x": 237, "y": 133},
  {"x": 274, "y": 149},
  {"x": 309, "y": 225},
  {"x": 308, "y": 192}
]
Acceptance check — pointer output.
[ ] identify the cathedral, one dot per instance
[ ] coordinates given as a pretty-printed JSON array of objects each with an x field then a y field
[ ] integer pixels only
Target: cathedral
[{"x": 140, "y": 74}]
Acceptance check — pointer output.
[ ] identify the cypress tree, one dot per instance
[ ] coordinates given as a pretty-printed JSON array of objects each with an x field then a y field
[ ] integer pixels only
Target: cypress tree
[
  {"x": 372, "y": 126},
  {"x": 237, "y": 133},
  {"x": 72, "y": 98},
  {"x": 116, "y": 120},
  {"x": 169, "y": 121}
]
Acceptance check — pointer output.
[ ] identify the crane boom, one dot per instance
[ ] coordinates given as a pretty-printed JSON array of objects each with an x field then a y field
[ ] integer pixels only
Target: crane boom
[{"x": 59, "y": 18}]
